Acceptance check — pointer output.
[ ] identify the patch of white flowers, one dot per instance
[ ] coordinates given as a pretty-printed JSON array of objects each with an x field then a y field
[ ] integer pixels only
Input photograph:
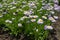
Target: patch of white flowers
[{"x": 30, "y": 13}]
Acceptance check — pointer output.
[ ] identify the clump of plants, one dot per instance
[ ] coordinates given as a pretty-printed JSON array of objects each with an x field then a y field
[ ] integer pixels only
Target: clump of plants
[{"x": 32, "y": 18}]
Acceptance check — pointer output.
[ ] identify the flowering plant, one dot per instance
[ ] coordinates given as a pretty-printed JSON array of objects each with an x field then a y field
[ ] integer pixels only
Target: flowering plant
[{"x": 28, "y": 17}]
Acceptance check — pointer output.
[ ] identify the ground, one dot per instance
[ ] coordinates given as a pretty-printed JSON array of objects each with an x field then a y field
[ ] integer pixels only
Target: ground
[{"x": 55, "y": 34}]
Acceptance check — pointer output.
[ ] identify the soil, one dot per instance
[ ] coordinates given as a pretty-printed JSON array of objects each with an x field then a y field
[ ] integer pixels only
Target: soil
[{"x": 55, "y": 33}]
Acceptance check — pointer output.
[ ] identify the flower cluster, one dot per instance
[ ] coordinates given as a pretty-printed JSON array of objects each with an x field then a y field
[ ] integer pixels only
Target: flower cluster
[
  {"x": 30, "y": 16},
  {"x": 56, "y": 5}
]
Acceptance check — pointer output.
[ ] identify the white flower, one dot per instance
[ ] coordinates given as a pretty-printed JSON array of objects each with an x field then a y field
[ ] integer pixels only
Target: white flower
[
  {"x": 56, "y": 17},
  {"x": 23, "y": 6},
  {"x": 52, "y": 12},
  {"x": 25, "y": 17},
  {"x": 19, "y": 24},
  {"x": 19, "y": 10},
  {"x": 50, "y": 8},
  {"x": 33, "y": 20},
  {"x": 13, "y": 18},
  {"x": 36, "y": 30},
  {"x": 8, "y": 21},
  {"x": 52, "y": 19},
  {"x": 44, "y": 17},
  {"x": 14, "y": 13},
  {"x": 31, "y": 4},
  {"x": 40, "y": 21},
  {"x": 27, "y": 13},
  {"x": 56, "y": 7},
  {"x": 33, "y": 16},
  {"x": 46, "y": 14},
  {"x": 55, "y": 1},
  {"x": 21, "y": 19},
  {"x": 48, "y": 27}
]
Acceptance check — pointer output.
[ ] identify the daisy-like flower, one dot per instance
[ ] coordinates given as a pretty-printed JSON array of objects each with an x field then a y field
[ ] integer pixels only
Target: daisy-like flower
[
  {"x": 33, "y": 16},
  {"x": 19, "y": 25},
  {"x": 46, "y": 14},
  {"x": 19, "y": 10},
  {"x": 27, "y": 13},
  {"x": 33, "y": 20},
  {"x": 24, "y": 6},
  {"x": 56, "y": 7},
  {"x": 55, "y": 1},
  {"x": 52, "y": 19},
  {"x": 40, "y": 21},
  {"x": 56, "y": 17},
  {"x": 25, "y": 17},
  {"x": 52, "y": 12},
  {"x": 48, "y": 7},
  {"x": 14, "y": 13},
  {"x": 36, "y": 30},
  {"x": 22, "y": 18},
  {"x": 13, "y": 18},
  {"x": 44, "y": 17},
  {"x": 8, "y": 21},
  {"x": 32, "y": 4},
  {"x": 48, "y": 27}
]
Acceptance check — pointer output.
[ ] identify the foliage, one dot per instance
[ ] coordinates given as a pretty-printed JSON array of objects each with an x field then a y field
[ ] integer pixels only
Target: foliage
[{"x": 28, "y": 17}]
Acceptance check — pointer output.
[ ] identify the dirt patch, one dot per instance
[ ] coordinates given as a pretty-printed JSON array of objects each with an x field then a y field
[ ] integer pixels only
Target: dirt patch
[{"x": 55, "y": 33}]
